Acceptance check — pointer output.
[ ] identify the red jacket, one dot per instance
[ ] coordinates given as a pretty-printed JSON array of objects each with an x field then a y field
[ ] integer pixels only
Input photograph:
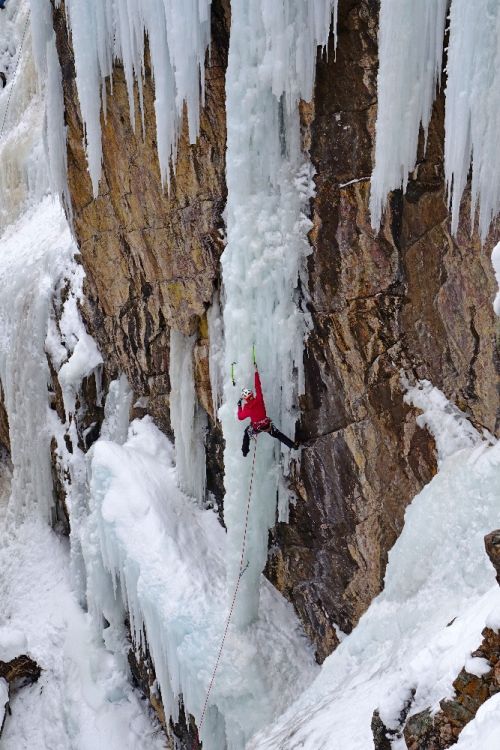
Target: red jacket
[{"x": 255, "y": 407}]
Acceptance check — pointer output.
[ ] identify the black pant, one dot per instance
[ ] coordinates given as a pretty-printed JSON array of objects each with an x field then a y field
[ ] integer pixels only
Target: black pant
[{"x": 249, "y": 432}]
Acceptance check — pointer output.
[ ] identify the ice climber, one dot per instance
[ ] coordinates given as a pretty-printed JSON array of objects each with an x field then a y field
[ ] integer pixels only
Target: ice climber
[{"x": 253, "y": 407}]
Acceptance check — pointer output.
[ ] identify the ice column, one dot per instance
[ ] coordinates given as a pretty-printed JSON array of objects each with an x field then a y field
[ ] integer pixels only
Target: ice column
[
  {"x": 410, "y": 54},
  {"x": 272, "y": 59},
  {"x": 23, "y": 171},
  {"x": 188, "y": 419}
]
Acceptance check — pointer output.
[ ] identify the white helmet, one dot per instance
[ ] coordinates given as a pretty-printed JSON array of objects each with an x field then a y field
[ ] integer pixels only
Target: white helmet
[{"x": 246, "y": 393}]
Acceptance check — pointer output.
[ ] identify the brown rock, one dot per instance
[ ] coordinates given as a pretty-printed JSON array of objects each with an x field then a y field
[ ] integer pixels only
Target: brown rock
[
  {"x": 492, "y": 545},
  {"x": 20, "y": 671},
  {"x": 4, "y": 424}
]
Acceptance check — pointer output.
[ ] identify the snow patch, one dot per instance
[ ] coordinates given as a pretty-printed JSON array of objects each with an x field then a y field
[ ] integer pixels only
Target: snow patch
[
  {"x": 440, "y": 592},
  {"x": 449, "y": 426}
]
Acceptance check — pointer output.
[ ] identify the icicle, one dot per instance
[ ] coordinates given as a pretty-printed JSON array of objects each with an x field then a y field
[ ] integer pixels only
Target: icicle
[
  {"x": 216, "y": 352},
  {"x": 188, "y": 419},
  {"x": 410, "y": 54},
  {"x": 495, "y": 261}
]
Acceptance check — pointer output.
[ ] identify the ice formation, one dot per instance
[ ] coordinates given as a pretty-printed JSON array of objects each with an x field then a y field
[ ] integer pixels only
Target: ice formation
[
  {"x": 83, "y": 696},
  {"x": 411, "y": 40},
  {"x": 153, "y": 552},
  {"x": 23, "y": 176},
  {"x": 495, "y": 260},
  {"x": 188, "y": 419},
  {"x": 272, "y": 57}
]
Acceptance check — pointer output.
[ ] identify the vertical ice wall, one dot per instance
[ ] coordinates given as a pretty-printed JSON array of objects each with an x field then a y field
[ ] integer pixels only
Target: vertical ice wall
[
  {"x": 410, "y": 64},
  {"x": 179, "y": 34},
  {"x": 272, "y": 59}
]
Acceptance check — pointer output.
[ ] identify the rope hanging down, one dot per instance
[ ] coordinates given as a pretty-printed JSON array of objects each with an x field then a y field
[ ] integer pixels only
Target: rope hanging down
[
  {"x": 233, "y": 602},
  {"x": 14, "y": 78}
]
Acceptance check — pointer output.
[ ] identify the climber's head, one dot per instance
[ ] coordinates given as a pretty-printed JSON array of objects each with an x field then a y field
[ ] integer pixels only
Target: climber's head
[{"x": 246, "y": 394}]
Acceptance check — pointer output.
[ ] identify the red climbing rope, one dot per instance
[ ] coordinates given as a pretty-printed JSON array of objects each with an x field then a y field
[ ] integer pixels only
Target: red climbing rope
[
  {"x": 231, "y": 609},
  {"x": 14, "y": 77}
]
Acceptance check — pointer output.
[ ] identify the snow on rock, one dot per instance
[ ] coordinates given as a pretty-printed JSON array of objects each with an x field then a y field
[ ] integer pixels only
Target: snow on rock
[
  {"x": 163, "y": 557},
  {"x": 439, "y": 594},
  {"x": 83, "y": 698},
  {"x": 449, "y": 426},
  {"x": 272, "y": 58},
  {"x": 84, "y": 356},
  {"x": 12, "y": 643},
  {"x": 495, "y": 259}
]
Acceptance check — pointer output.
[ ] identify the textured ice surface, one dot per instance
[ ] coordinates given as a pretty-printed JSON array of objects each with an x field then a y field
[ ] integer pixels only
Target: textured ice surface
[
  {"x": 495, "y": 259},
  {"x": 164, "y": 558},
  {"x": 189, "y": 421},
  {"x": 272, "y": 57},
  {"x": 23, "y": 174},
  {"x": 35, "y": 253},
  {"x": 439, "y": 593}
]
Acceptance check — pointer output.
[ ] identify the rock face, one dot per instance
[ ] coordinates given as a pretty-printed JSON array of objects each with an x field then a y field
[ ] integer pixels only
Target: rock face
[
  {"x": 4, "y": 425},
  {"x": 412, "y": 298},
  {"x": 492, "y": 546}
]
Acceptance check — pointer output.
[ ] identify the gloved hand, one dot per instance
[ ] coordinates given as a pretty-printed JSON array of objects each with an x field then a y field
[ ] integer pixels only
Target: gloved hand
[{"x": 239, "y": 403}]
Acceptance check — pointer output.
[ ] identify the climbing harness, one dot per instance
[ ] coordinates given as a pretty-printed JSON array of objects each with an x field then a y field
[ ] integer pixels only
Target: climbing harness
[
  {"x": 243, "y": 567},
  {"x": 14, "y": 78}
]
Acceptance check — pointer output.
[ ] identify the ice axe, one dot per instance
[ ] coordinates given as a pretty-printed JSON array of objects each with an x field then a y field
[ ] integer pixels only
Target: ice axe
[{"x": 232, "y": 373}]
